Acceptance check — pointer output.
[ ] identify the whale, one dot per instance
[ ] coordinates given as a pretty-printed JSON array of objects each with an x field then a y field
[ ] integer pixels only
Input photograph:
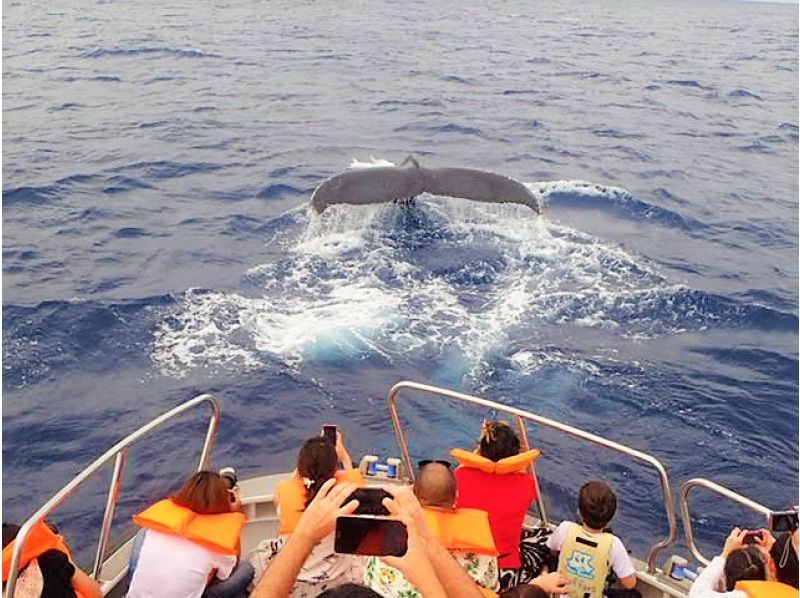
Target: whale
[{"x": 401, "y": 184}]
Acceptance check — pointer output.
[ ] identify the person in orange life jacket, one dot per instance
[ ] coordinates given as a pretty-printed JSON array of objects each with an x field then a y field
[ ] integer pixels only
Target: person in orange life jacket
[
  {"x": 317, "y": 462},
  {"x": 586, "y": 551},
  {"x": 426, "y": 563},
  {"x": 505, "y": 496},
  {"x": 46, "y": 567},
  {"x": 741, "y": 571},
  {"x": 191, "y": 544},
  {"x": 465, "y": 533}
]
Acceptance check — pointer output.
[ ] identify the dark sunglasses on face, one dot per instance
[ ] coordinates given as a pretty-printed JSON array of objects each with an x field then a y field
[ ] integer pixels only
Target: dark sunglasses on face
[{"x": 424, "y": 462}]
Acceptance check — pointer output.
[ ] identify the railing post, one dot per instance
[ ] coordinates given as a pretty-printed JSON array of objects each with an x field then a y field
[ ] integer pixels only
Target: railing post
[
  {"x": 19, "y": 544},
  {"x": 117, "y": 452},
  {"x": 688, "y": 529},
  {"x": 108, "y": 516},
  {"x": 211, "y": 438},
  {"x": 526, "y": 445},
  {"x": 398, "y": 430}
]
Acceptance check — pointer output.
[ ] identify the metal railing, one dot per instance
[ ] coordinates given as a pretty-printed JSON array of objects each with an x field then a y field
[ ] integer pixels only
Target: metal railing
[
  {"x": 520, "y": 417},
  {"x": 118, "y": 453},
  {"x": 722, "y": 491}
]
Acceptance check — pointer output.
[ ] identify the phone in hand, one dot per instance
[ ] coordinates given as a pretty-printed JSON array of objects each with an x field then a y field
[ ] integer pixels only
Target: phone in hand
[
  {"x": 782, "y": 521},
  {"x": 370, "y": 501},
  {"x": 329, "y": 432},
  {"x": 370, "y": 536},
  {"x": 753, "y": 537}
]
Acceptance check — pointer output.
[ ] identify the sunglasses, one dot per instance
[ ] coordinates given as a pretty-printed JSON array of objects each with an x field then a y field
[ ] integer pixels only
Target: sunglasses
[{"x": 425, "y": 462}]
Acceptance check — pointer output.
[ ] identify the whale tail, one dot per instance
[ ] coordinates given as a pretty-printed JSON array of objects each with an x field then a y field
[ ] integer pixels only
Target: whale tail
[{"x": 385, "y": 184}]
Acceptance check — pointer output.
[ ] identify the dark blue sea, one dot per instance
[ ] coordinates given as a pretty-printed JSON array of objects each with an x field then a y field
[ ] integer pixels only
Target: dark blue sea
[{"x": 158, "y": 243}]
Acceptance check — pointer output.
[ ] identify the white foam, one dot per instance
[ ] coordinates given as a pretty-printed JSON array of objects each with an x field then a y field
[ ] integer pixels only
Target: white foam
[{"x": 353, "y": 282}]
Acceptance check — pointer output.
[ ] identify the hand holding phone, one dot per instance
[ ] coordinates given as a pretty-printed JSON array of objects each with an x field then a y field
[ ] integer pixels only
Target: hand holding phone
[
  {"x": 753, "y": 537},
  {"x": 370, "y": 501}
]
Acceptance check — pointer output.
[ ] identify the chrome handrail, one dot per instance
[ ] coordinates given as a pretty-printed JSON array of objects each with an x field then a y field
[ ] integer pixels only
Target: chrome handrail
[
  {"x": 117, "y": 452},
  {"x": 519, "y": 414},
  {"x": 718, "y": 489}
]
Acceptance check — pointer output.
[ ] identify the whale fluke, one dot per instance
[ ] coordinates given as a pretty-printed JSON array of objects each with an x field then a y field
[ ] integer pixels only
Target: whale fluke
[{"x": 383, "y": 184}]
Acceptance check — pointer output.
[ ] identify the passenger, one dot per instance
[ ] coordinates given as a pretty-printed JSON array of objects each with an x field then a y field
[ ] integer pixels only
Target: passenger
[
  {"x": 739, "y": 572},
  {"x": 495, "y": 479},
  {"x": 586, "y": 551},
  {"x": 426, "y": 563},
  {"x": 190, "y": 539},
  {"x": 317, "y": 462},
  {"x": 465, "y": 533},
  {"x": 45, "y": 567}
]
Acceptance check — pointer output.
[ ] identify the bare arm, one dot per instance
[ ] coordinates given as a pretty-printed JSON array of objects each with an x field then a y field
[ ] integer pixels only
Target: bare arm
[
  {"x": 342, "y": 454},
  {"x": 628, "y": 582},
  {"x": 317, "y": 522},
  {"x": 85, "y": 585}
]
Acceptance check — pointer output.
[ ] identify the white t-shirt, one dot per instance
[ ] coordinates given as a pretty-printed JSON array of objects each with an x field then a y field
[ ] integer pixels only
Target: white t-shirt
[
  {"x": 709, "y": 583},
  {"x": 620, "y": 561},
  {"x": 174, "y": 567}
]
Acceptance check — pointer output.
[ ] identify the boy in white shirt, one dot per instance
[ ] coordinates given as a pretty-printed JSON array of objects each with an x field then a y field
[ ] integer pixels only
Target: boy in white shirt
[{"x": 586, "y": 552}]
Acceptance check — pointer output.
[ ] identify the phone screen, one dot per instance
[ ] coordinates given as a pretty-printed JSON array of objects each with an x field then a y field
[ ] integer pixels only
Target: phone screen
[
  {"x": 370, "y": 501},
  {"x": 753, "y": 537},
  {"x": 370, "y": 536},
  {"x": 785, "y": 521},
  {"x": 329, "y": 431}
]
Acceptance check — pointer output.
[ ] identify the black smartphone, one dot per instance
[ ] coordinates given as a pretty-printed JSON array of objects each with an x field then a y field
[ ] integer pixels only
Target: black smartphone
[
  {"x": 753, "y": 537},
  {"x": 329, "y": 432},
  {"x": 370, "y": 536},
  {"x": 370, "y": 501},
  {"x": 782, "y": 521}
]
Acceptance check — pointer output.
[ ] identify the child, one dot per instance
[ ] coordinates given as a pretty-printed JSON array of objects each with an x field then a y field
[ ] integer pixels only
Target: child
[{"x": 586, "y": 551}]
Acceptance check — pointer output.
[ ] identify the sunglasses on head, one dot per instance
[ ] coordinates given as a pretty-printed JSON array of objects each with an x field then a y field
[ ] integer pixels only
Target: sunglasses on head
[{"x": 424, "y": 462}]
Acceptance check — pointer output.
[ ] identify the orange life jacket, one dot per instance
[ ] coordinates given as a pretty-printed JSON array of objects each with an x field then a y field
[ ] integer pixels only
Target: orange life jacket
[
  {"x": 462, "y": 529},
  {"x": 219, "y": 533},
  {"x": 766, "y": 589},
  {"x": 291, "y": 495},
  {"x": 40, "y": 539},
  {"x": 512, "y": 464}
]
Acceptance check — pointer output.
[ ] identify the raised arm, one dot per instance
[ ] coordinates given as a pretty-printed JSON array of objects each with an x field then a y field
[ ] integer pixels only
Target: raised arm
[{"x": 317, "y": 522}]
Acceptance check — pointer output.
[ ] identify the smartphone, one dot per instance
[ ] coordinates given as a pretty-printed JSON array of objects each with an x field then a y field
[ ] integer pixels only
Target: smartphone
[
  {"x": 329, "y": 432},
  {"x": 753, "y": 537},
  {"x": 370, "y": 501},
  {"x": 782, "y": 521},
  {"x": 370, "y": 536}
]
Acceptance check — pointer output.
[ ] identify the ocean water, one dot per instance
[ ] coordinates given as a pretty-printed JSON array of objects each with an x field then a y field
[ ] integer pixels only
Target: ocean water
[{"x": 158, "y": 243}]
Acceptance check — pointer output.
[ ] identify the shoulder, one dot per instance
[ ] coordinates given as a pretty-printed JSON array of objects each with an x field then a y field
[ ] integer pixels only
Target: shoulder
[{"x": 556, "y": 539}]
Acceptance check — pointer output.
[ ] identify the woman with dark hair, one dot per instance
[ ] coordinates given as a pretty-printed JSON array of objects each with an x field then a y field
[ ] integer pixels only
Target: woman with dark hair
[
  {"x": 495, "y": 479},
  {"x": 191, "y": 538},
  {"x": 318, "y": 461},
  {"x": 741, "y": 571}
]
